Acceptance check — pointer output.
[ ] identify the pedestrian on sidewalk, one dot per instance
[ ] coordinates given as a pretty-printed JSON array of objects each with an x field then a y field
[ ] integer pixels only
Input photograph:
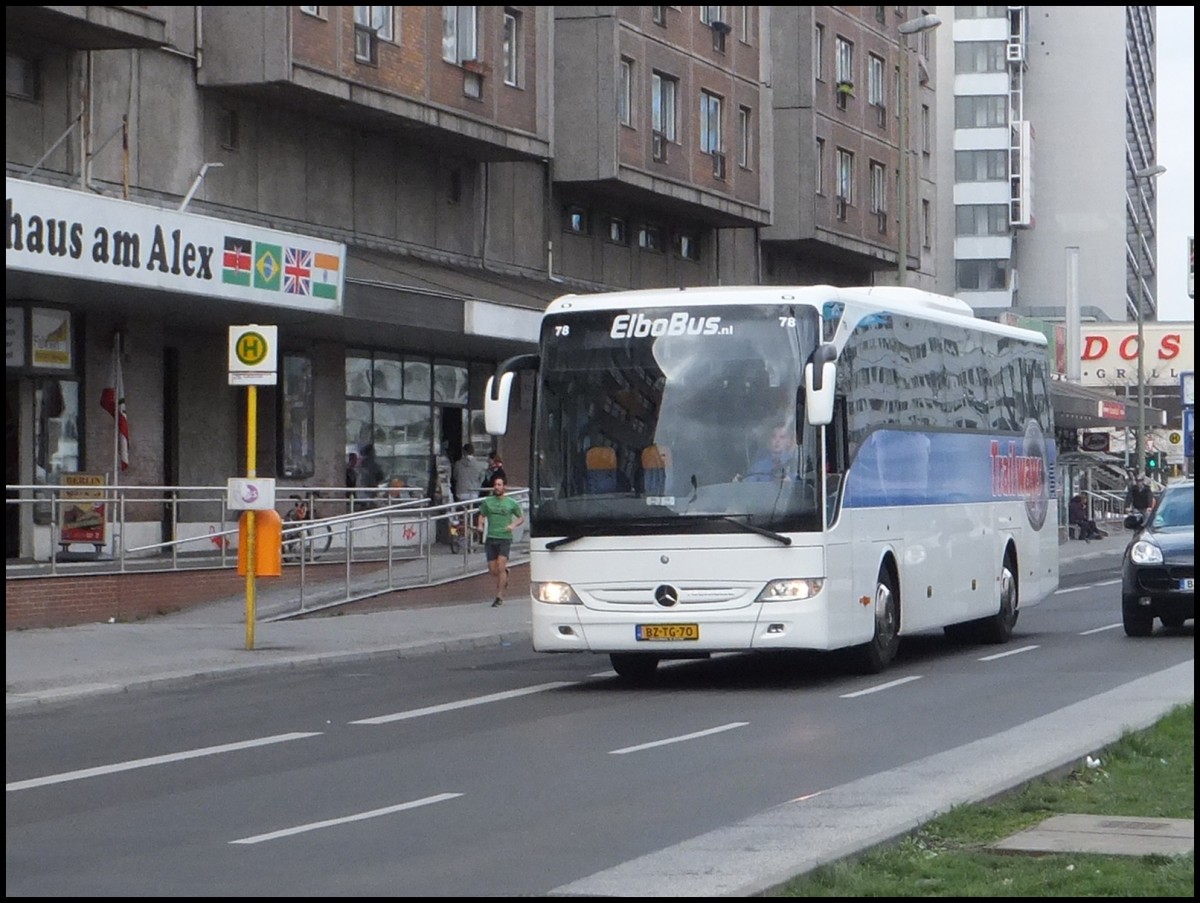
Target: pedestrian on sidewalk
[
  {"x": 1077, "y": 517},
  {"x": 499, "y": 516},
  {"x": 1140, "y": 496},
  {"x": 494, "y": 468}
]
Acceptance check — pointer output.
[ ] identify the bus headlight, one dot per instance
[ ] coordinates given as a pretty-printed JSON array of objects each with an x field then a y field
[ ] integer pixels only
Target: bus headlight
[
  {"x": 555, "y": 593},
  {"x": 791, "y": 590}
]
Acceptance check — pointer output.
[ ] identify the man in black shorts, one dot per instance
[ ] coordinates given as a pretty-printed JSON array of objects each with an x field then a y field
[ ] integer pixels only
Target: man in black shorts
[{"x": 501, "y": 515}]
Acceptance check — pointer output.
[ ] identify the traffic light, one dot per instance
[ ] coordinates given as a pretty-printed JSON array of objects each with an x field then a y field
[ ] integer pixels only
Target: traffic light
[{"x": 1153, "y": 463}]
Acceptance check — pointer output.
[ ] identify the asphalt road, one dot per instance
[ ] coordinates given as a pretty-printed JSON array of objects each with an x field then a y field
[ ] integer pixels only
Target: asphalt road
[{"x": 498, "y": 772}]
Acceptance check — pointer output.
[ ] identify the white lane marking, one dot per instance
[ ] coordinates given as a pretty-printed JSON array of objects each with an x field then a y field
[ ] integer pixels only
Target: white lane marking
[
  {"x": 466, "y": 703},
  {"x": 1007, "y": 653},
  {"x": 680, "y": 739},
  {"x": 1102, "y": 629},
  {"x": 1079, "y": 589},
  {"x": 360, "y": 816},
  {"x": 153, "y": 760},
  {"x": 886, "y": 686}
]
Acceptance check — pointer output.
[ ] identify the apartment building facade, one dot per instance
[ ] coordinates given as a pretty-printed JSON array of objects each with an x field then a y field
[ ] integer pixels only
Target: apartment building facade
[{"x": 400, "y": 191}]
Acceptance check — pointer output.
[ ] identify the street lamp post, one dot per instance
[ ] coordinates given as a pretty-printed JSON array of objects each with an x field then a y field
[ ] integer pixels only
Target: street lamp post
[
  {"x": 912, "y": 26},
  {"x": 1150, "y": 172}
]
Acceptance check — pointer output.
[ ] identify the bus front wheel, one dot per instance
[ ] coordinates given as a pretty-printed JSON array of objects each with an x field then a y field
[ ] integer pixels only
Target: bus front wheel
[
  {"x": 875, "y": 656},
  {"x": 636, "y": 667}
]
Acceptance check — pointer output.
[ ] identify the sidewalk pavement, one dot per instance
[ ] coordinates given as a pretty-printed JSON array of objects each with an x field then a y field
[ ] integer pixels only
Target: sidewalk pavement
[{"x": 45, "y": 665}]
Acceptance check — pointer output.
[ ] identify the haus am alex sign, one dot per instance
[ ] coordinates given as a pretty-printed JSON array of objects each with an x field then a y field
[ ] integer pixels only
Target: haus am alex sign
[{"x": 60, "y": 232}]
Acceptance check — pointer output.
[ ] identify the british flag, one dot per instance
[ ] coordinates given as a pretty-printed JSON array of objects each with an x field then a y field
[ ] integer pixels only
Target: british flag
[{"x": 297, "y": 271}]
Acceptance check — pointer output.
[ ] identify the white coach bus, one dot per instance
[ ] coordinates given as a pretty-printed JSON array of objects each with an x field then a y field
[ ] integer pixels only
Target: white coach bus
[{"x": 917, "y": 492}]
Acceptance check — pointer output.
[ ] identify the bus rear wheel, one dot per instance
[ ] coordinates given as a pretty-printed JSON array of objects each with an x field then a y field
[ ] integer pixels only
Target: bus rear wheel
[
  {"x": 875, "y": 656},
  {"x": 635, "y": 667},
  {"x": 999, "y": 627}
]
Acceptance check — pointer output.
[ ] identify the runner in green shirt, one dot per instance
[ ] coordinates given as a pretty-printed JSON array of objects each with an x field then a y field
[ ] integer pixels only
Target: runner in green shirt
[{"x": 502, "y": 516}]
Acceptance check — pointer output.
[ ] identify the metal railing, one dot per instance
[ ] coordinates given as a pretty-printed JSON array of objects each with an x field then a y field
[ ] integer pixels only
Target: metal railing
[{"x": 388, "y": 539}]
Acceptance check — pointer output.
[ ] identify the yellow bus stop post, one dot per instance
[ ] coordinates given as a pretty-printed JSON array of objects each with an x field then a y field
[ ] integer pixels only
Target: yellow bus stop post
[{"x": 251, "y": 473}]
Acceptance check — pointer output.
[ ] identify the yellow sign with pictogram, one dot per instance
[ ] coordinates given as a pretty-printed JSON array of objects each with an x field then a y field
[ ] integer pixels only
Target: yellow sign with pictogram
[{"x": 253, "y": 355}]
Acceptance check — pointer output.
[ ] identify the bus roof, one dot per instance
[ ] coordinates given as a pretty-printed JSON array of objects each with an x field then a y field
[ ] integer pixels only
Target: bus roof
[{"x": 898, "y": 299}]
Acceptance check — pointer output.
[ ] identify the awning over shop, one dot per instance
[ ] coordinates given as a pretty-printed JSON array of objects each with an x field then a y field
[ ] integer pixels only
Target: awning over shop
[
  {"x": 1080, "y": 407},
  {"x": 470, "y": 308}
]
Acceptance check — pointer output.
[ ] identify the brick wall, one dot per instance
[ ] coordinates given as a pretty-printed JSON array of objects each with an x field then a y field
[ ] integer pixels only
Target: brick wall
[{"x": 63, "y": 601}]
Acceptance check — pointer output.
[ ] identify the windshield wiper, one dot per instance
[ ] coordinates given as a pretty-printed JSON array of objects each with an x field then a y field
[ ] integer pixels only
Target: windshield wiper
[
  {"x": 754, "y": 528},
  {"x": 554, "y": 544}
]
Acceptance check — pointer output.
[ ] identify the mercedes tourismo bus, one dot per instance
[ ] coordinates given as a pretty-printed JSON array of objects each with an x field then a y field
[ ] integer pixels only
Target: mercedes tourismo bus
[{"x": 919, "y": 493}]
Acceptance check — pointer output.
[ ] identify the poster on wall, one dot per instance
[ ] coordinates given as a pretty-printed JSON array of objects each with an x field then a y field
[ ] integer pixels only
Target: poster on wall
[
  {"x": 50, "y": 339},
  {"x": 82, "y": 509}
]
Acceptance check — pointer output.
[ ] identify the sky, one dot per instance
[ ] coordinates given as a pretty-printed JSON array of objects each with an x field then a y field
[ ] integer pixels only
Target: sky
[{"x": 1176, "y": 108}]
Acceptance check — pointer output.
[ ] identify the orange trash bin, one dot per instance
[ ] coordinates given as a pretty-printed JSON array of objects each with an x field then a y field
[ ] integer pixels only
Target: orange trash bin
[{"x": 268, "y": 543}]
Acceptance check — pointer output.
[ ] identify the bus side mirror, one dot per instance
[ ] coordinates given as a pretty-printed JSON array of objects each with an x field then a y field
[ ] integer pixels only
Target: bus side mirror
[
  {"x": 819, "y": 375},
  {"x": 498, "y": 390},
  {"x": 495, "y": 404}
]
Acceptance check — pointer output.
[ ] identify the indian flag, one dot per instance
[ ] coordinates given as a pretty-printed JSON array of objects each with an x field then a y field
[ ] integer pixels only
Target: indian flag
[{"x": 326, "y": 276}]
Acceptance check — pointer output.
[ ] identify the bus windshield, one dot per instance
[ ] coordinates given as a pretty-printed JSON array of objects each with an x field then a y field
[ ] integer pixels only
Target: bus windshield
[{"x": 669, "y": 418}]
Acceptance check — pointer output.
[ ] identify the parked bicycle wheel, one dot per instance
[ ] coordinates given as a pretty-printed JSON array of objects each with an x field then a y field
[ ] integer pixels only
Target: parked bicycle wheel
[{"x": 317, "y": 540}]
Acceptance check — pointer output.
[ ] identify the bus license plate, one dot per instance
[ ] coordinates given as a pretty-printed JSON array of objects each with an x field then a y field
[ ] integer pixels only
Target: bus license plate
[
  {"x": 1188, "y": 584},
  {"x": 658, "y": 632}
]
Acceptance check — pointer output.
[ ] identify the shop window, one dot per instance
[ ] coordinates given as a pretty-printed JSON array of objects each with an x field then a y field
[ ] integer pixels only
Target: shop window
[{"x": 297, "y": 428}]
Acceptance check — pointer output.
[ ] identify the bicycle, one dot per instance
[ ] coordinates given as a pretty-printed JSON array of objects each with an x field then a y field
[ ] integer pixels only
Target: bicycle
[{"x": 313, "y": 541}]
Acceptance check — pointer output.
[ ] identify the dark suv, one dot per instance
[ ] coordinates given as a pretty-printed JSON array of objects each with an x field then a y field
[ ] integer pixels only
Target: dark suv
[{"x": 1158, "y": 576}]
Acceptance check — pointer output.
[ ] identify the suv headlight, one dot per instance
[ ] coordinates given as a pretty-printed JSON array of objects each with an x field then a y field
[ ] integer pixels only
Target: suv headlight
[
  {"x": 791, "y": 589},
  {"x": 555, "y": 593},
  {"x": 1144, "y": 552}
]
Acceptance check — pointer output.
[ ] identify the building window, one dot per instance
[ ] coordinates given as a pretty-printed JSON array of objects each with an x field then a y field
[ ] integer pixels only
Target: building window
[
  {"x": 20, "y": 77},
  {"x": 711, "y": 14},
  {"x": 879, "y": 196},
  {"x": 844, "y": 62},
  {"x": 460, "y": 26},
  {"x": 297, "y": 432},
  {"x": 875, "y": 87},
  {"x": 981, "y": 219},
  {"x": 981, "y": 275},
  {"x": 980, "y": 56},
  {"x": 980, "y": 111},
  {"x": 687, "y": 245},
  {"x": 664, "y": 91},
  {"x": 575, "y": 220},
  {"x": 56, "y": 441},
  {"x": 710, "y": 123},
  {"x": 659, "y": 14},
  {"x": 372, "y": 24},
  {"x": 980, "y": 166},
  {"x": 878, "y": 188},
  {"x": 845, "y": 198},
  {"x": 745, "y": 138},
  {"x": 926, "y": 130},
  {"x": 819, "y": 52},
  {"x": 746, "y": 24},
  {"x": 512, "y": 48},
  {"x": 926, "y": 224},
  {"x": 454, "y": 187},
  {"x": 617, "y": 231},
  {"x": 820, "y": 166},
  {"x": 650, "y": 238},
  {"x": 388, "y": 406},
  {"x": 625, "y": 95},
  {"x": 311, "y": 10},
  {"x": 845, "y": 177}
]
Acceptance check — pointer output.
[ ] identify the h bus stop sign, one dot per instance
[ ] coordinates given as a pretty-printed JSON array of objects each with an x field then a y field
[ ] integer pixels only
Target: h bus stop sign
[{"x": 252, "y": 355}]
